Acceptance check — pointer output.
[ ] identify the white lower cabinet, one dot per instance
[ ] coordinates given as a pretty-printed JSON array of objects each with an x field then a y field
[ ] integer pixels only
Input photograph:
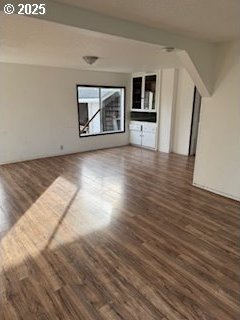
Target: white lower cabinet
[
  {"x": 143, "y": 134},
  {"x": 135, "y": 137},
  {"x": 135, "y": 133},
  {"x": 149, "y": 140}
]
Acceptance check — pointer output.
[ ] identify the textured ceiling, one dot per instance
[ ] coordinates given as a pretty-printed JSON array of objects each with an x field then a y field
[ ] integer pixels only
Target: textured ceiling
[
  {"x": 32, "y": 41},
  {"x": 213, "y": 20}
]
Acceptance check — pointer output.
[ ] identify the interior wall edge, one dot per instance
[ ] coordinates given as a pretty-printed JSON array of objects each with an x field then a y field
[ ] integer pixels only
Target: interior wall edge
[{"x": 223, "y": 194}]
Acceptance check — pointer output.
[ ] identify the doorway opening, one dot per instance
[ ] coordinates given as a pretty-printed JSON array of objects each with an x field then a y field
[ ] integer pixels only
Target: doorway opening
[{"x": 197, "y": 99}]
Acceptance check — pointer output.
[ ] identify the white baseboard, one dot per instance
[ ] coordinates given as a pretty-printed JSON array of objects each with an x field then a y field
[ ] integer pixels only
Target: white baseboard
[
  {"x": 223, "y": 194},
  {"x": 58, "y": 154}
]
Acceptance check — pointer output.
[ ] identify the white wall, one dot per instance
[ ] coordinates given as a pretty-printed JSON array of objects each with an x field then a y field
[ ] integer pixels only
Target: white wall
[
  {"x": 167, "y": 109},
  {"x": 176, "y": 103},
  {"x": 38, "y": 111},
  {"x": 217, "y": 166},
  {"x": 183, "y": 113}
]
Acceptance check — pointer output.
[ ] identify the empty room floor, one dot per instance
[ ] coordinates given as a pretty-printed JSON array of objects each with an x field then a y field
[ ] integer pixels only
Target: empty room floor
[{"x": 115, "y": 234}]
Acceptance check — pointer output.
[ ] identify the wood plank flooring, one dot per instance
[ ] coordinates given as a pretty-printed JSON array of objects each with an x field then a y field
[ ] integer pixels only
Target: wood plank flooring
[{"x": 115, "y": 234}]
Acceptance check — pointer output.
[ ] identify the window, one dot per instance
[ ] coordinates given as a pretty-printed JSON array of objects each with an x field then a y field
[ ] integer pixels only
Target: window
[{"x": 101, "y": 110}]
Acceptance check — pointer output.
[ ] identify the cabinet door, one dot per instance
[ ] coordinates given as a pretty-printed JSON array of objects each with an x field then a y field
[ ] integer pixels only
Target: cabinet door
[
  {"x": 149, "y": 136},
  {"x": 137, "y": 93},
  {"x": 149, "y": 140},
  {"x": 136, "y": 137},
  {"x": 150, "y": 92}
]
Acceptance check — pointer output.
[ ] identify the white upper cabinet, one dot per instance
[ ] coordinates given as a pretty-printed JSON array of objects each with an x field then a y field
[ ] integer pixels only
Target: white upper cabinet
[{"x": 144, "y": 92}]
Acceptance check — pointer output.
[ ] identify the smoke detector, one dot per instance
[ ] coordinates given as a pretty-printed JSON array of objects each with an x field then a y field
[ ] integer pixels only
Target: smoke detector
[{"x": 90, "y": 59}]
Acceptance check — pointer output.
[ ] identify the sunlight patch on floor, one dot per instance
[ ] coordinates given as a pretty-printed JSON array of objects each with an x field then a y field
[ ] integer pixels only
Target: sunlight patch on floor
[
  {"x": 32, "y": 231},
  {"x": 62, "y": 214}
]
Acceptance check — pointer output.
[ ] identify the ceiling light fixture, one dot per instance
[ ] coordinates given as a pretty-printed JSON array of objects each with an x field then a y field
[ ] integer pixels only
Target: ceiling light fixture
[
  {"x": 168, "y": 49},
  {"x": 90, "y": 59}
]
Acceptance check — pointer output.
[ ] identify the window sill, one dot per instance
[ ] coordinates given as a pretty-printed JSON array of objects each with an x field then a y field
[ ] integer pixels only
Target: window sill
[{"x": 101, "y": 134}]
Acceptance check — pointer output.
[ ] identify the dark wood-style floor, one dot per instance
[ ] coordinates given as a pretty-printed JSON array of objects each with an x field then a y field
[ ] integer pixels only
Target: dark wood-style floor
[{"x": 115, "y": 234}]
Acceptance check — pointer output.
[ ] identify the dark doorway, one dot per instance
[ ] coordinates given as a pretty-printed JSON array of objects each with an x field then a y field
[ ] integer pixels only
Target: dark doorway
[{"x": 195, "y": 122}]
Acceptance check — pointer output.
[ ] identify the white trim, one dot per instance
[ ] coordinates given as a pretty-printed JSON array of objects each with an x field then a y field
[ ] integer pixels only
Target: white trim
[
  {"x": 146, "y": 110},
  {"x": 63, "y": 153},
  {"x": 102, "y": 133},
  {"x": 223, "y": 194}
]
